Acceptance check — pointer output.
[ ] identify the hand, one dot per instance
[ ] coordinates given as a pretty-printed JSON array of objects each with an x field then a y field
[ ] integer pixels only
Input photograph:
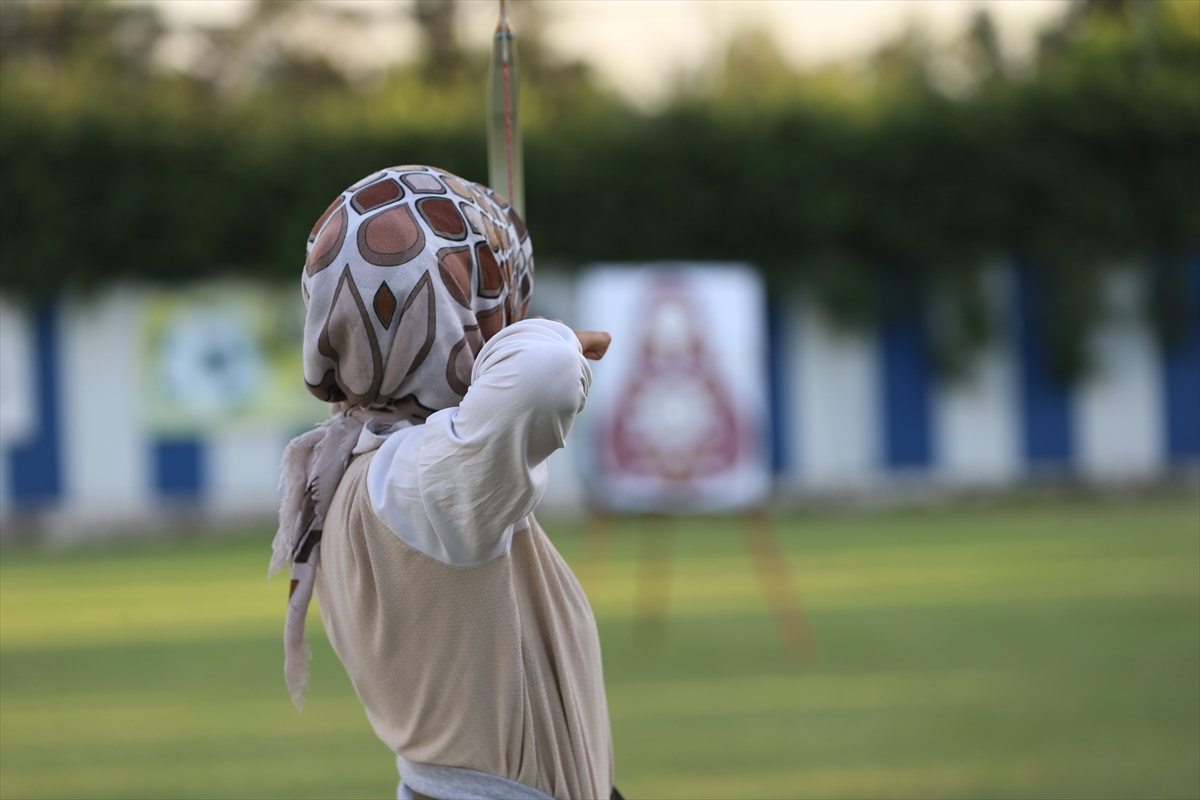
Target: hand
[{"x": 594, "y": 343}]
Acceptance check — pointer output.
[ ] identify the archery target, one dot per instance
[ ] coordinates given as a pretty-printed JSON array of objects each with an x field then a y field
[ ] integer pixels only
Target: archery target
[{"x": 677, "y": 418}]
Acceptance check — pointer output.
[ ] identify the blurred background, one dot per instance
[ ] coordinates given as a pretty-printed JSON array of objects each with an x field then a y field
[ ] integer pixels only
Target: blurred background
[{"x": 977, "y": 226}]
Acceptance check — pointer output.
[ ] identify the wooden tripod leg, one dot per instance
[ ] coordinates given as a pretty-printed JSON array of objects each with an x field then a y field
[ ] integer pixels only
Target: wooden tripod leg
[
  {"x": 599, "y": 532},
  {"x": 653, "y": 581},
  {"x": 776, "y": 579}
]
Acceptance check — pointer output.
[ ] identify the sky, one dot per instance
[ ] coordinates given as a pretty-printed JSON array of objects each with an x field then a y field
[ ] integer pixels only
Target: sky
[{"x": 644, "y": 47}]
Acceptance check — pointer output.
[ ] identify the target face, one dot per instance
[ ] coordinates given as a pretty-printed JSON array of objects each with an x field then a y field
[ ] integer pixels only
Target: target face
[{"x": 677, "y": 417}]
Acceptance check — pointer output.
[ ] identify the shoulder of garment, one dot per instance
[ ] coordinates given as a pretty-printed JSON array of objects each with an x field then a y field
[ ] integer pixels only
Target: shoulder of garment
[{"x": 458, "y": 487}]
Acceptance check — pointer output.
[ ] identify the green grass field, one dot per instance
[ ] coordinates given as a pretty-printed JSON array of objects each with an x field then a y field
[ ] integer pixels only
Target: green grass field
[{"x": 1044, "y": 649}]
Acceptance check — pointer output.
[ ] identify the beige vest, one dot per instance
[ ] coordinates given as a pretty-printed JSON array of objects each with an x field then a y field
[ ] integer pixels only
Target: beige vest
[{"x": 494, "y": 668}]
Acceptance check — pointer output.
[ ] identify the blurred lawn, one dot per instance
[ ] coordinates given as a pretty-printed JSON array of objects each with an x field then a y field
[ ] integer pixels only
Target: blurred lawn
[{"x": 1019, "y": 651}]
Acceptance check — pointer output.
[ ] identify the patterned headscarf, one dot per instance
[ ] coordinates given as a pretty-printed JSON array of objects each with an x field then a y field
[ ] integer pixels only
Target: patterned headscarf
[{"x": 409, "y": 272}]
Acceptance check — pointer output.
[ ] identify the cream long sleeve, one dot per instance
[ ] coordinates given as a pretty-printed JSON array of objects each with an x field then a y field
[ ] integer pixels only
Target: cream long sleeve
[{"x": 458, "y": 487}]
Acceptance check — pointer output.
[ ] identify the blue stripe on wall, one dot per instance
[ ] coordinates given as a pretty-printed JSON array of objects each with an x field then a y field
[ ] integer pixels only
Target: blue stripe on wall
[
  {"x": 36, "y": 465},
  {"x": 1045, "y": 402},
  {"x": 179, "y": 469},
  {"x": 777, "y": 379},
  {"x": 1182, "y": 376},
  {"x": 907, "y": 394}
]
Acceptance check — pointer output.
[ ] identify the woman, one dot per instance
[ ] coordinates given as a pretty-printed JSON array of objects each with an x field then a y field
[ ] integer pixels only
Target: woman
[{"x": 467, "y": 638}]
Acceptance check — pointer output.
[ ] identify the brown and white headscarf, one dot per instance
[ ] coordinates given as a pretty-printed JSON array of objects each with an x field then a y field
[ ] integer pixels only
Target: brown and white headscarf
[{"x": 409, "y": 272}]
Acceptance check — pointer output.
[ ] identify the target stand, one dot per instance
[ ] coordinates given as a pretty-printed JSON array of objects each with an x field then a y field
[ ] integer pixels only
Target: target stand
[{"x": 652, "y": 589}]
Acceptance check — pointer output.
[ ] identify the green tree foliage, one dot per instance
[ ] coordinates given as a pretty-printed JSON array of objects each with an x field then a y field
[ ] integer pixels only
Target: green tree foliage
[{"x": 886, "y": 190}]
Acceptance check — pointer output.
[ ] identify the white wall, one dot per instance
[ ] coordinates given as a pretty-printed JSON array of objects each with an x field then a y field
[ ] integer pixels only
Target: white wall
[
  {"x": 977, "y": 417},
  {"x": 243, "y": 470},
  {"x": 105, "y": 447},
  {"x": 18, "y": 398},
  {"x": 1120, "y": 408},
  {"x": 832, "y": 391}
]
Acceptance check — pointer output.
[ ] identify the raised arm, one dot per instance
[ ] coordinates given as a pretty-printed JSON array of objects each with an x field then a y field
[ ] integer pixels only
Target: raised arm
[{"x": 482, "y": 465}]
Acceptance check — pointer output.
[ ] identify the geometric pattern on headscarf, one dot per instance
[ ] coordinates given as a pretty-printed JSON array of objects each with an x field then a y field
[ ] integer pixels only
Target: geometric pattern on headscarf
[{"x": 408, "y": 273}]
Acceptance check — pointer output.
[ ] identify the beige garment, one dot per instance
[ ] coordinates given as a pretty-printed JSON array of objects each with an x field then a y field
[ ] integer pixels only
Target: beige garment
[{"x": 494, "y": 668}]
